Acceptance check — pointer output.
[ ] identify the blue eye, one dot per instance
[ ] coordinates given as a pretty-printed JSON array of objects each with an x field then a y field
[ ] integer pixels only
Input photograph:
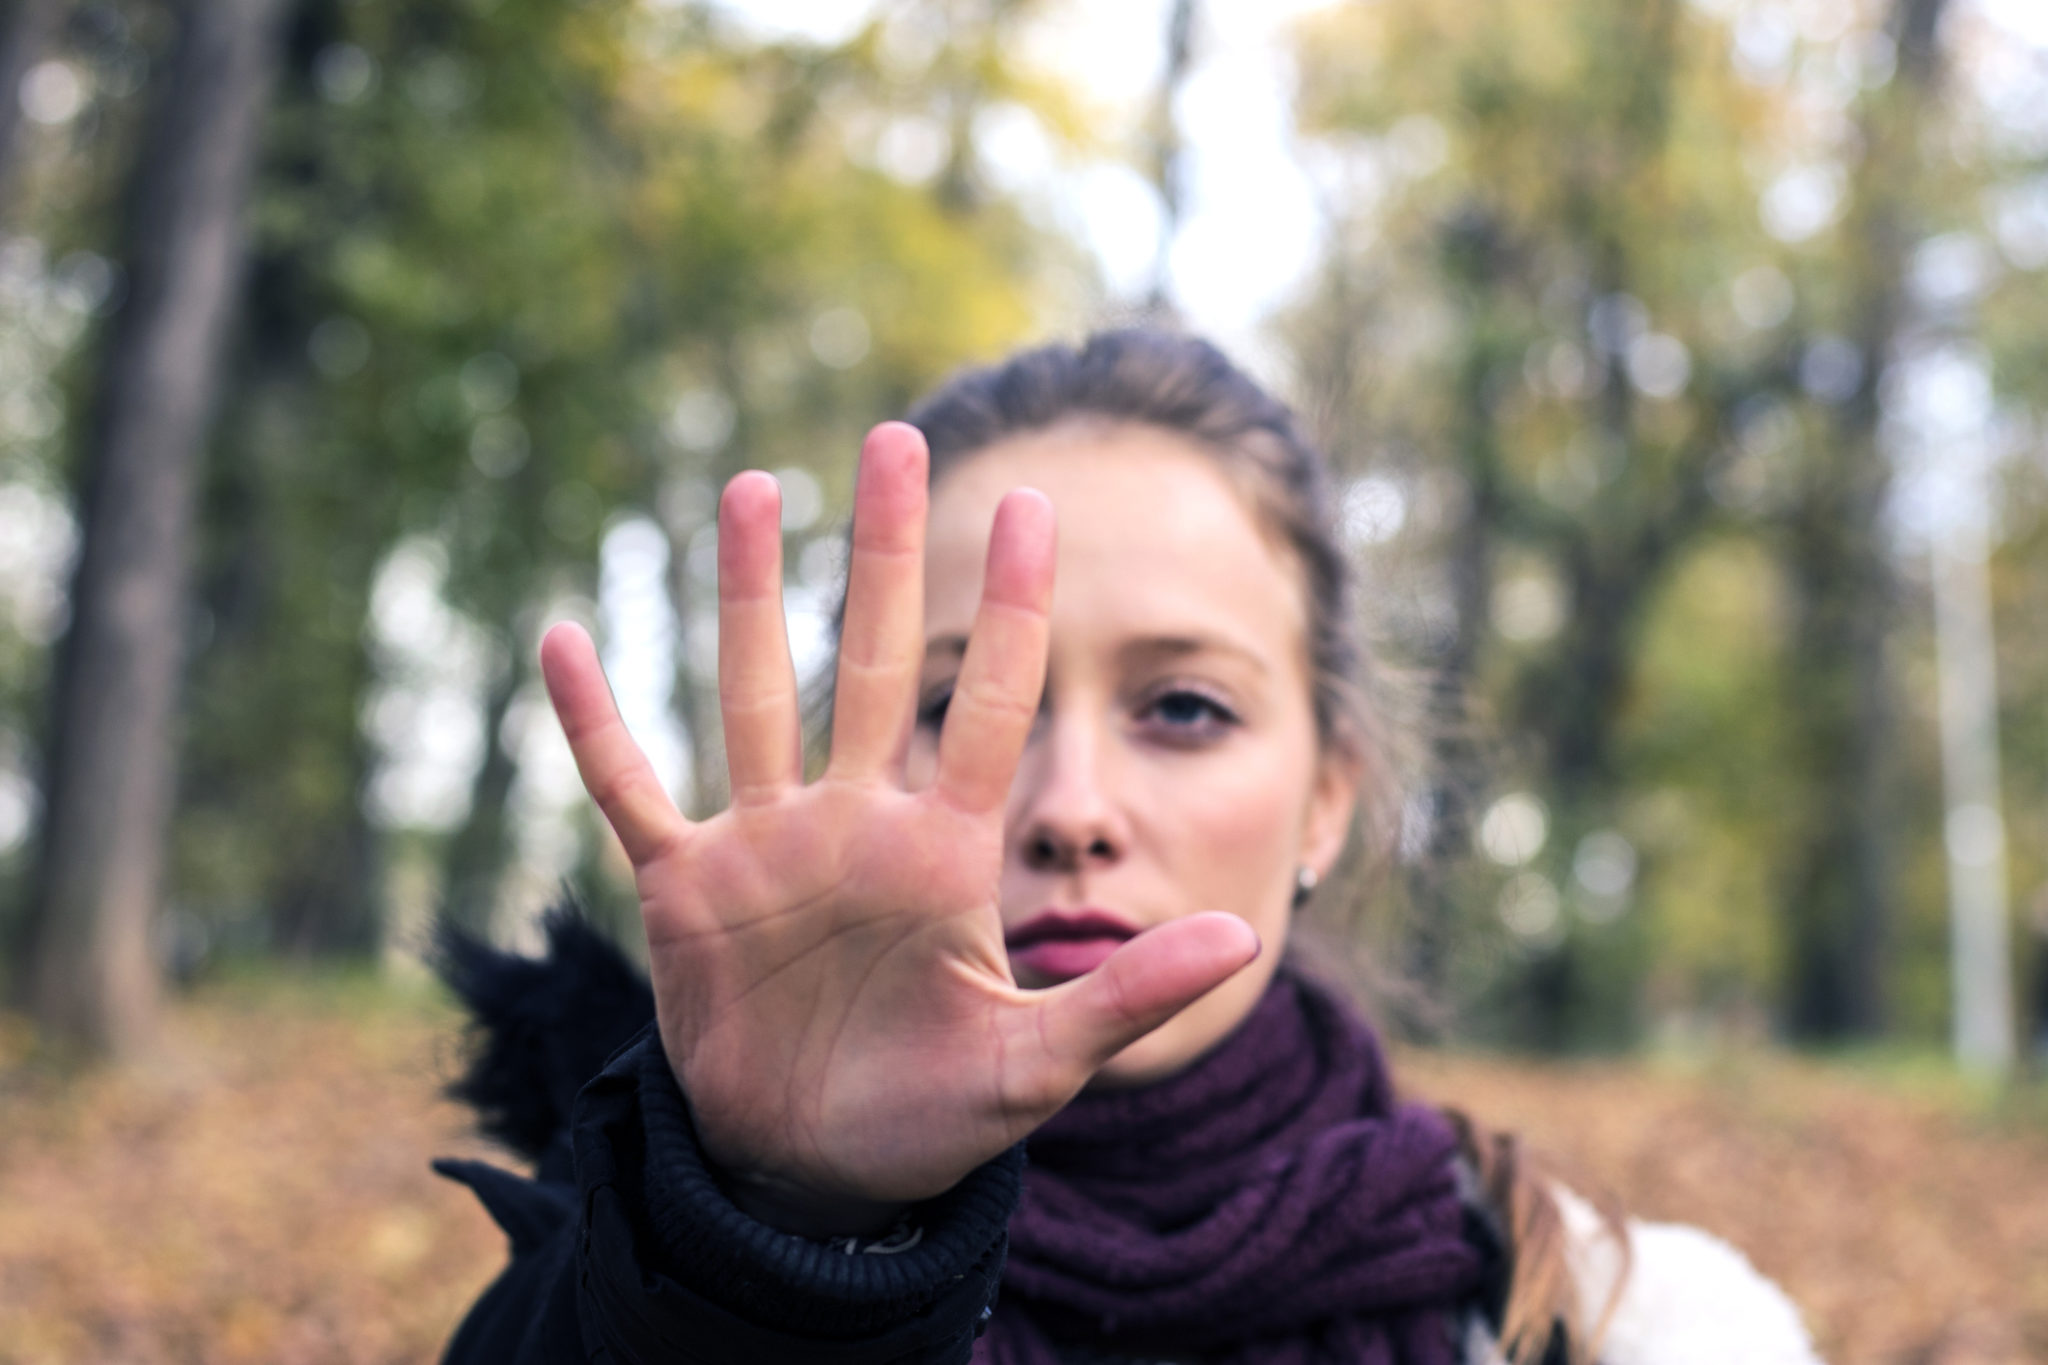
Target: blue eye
[
  {"x": 1185, "y": 714},
  {"x": 1184, "y": 708}
]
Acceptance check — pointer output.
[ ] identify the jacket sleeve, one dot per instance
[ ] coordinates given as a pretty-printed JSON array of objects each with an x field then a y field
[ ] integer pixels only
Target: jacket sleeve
[{"x": 643, "y": 1260}]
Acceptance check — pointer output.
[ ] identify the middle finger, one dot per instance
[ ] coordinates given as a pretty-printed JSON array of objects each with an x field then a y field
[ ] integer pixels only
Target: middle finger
[{"x": 879, "y": 643}]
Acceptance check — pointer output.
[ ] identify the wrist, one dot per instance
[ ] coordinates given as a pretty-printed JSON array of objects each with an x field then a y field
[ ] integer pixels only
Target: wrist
[{"x": 809, "y": 1213}]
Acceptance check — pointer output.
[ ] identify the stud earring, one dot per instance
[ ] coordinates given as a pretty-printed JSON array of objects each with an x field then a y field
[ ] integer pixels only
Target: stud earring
[{"x": 1304, "y": 885}]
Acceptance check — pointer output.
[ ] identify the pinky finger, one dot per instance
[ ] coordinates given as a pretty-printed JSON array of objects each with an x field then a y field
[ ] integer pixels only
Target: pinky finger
[{"x": 614, "y": 770}]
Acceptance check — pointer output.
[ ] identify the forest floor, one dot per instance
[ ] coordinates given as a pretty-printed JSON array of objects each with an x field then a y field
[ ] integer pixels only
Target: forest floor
[{"x": 258, "y": 1191}]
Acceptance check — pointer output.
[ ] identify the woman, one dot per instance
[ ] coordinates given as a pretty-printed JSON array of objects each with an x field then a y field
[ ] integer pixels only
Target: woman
[{"x": 1054, "y": 853}]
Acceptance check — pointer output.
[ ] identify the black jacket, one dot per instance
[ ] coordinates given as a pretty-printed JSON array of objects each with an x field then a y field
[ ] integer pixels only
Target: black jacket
[
  {"x": 624, "y": 1248},
  {"x": 641, "y": 1258}
]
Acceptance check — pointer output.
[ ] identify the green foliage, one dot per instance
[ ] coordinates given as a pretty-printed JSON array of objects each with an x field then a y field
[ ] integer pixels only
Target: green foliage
[
  {"x": 526, "y": 268},
  {"x": 499, "y": 245},
  {"x": 1570, "y": 305}
]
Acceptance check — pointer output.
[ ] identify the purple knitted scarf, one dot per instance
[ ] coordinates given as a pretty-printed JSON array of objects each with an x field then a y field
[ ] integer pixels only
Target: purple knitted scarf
[{"x": 1271, "y": 1205}]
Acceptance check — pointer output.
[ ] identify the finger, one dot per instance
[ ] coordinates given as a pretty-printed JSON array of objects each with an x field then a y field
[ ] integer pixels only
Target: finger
[
  {"x": 756, "y": 680},
  {"x": 1140, "y": 986},
  {"x": 614, "y": 770},
  {"x": 996, "y": 697},
  {"x": 875, "y": 698}
]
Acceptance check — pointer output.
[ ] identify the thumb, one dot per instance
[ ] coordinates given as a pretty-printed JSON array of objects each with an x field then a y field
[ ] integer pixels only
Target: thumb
[{"x": 1140, "y": 986}]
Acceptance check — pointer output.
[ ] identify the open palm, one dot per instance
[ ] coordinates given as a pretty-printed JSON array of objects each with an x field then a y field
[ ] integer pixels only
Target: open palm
[{"x": 828, "y": 961}]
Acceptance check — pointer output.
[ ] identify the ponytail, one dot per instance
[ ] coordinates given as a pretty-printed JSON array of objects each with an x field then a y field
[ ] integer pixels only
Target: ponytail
[{"x": 1543, "y": 1297}]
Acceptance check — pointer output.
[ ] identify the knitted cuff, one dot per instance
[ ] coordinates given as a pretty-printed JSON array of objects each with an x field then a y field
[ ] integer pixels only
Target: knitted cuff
[{"x": 839, "y": 1290}]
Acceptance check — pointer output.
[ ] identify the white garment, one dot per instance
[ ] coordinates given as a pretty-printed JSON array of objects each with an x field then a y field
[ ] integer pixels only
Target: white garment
[{"x": 1690, "y": 1298}]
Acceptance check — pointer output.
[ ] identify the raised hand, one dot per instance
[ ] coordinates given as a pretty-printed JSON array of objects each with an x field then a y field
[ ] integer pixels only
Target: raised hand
[{"x": 828, "y": 960}]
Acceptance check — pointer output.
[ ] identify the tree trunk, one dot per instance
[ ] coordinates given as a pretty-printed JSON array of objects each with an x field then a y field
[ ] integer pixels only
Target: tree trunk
[
  {"x": 1169, "y": 171},
  {"x": 480, "y": 850},
  {"x": 1843, "y": 891},
  {"x": 694, "y": 701},
  {"x": 695, "y": 698},
  {"x": 2034, "y": 1020},
  {"x": 25, "y": 29},
  {"x": 92, "y": 976},
  {"x": 1458, "y": 760},
  {"x": 328, "y": 904}
]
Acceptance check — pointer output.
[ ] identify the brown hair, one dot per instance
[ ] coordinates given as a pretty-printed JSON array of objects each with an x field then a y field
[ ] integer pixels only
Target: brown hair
[
  {"x": 1180, "y": 384},
  {"x": 1185, "y": 386}
]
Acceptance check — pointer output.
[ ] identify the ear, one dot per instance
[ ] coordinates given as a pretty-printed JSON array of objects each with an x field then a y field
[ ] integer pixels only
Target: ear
[{"x": 1329, "y": 812}]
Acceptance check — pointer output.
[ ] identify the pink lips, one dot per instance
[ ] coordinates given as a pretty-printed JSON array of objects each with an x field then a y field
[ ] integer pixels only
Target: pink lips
[{"x": 1059, "y": 945}]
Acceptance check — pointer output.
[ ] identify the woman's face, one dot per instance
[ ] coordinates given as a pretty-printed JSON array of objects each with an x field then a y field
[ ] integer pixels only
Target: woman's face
[{"x": 1175, "y": 765}]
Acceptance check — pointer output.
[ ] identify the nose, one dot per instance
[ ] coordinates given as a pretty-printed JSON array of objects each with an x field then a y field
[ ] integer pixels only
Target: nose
[{"x": 1065, "y": 817}]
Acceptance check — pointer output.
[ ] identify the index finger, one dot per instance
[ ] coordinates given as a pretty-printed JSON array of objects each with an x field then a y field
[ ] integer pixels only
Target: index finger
[
  {"x": 614, "y": 770},
  {"x": 995, "y": 699}
]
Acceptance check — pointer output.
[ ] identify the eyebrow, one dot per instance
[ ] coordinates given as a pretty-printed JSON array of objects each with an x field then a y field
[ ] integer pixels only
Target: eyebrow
[
  {"x": 1181, "y": 646},
  {"x": 1147, "y": 648}
]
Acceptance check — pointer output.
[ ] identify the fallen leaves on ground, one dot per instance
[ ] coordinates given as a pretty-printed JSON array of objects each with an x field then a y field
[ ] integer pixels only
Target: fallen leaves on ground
[
  {"x": 257, "y": 1191},
  {"x": 1904, "y": 1211}
]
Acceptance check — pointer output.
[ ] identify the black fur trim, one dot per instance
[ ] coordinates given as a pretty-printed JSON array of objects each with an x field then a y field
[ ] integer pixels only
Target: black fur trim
[{"x": 540, "y": 1027}]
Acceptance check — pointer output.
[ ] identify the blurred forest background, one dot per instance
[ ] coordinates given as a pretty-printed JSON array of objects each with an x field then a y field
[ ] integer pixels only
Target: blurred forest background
[{"x": 1685, "y": 361}]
